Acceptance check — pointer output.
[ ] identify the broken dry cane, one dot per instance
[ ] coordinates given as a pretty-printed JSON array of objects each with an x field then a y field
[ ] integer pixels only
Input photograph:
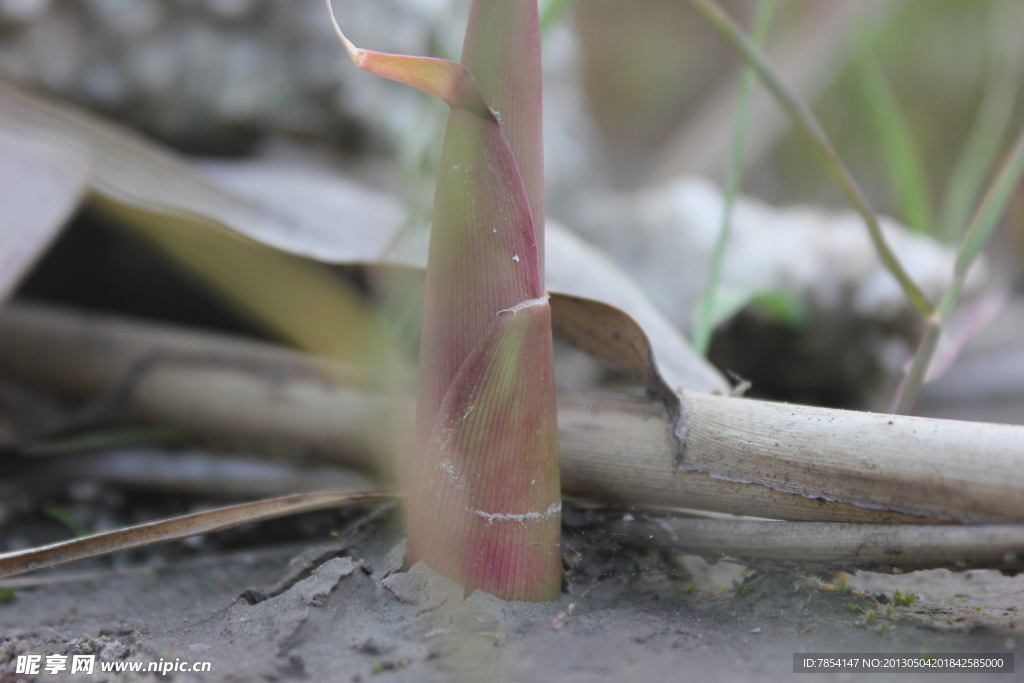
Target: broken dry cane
[{"x": 485, "y": 498}]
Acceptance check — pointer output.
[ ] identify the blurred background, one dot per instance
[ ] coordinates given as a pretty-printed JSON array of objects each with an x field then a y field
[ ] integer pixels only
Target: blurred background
[
  {"x": 921, "y": 98},
  {"x": 133, "y": 131}
]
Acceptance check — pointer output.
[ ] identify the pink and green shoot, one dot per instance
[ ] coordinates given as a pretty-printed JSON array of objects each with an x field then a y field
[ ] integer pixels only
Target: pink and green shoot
[{"x": 485, "y": 501}]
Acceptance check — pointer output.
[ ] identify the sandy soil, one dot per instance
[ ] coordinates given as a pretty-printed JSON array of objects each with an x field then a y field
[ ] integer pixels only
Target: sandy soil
[{"x": 346, "y": 610}]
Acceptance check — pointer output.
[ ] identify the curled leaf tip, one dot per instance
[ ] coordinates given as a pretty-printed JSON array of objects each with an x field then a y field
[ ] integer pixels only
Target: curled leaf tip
[
  {"x": 354, "y": 52},
  {"x": 444, "y": 79}
]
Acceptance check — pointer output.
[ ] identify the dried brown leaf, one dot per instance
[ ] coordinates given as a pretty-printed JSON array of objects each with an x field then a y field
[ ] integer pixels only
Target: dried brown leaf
[
  {"x": 146, "y": 184},
  {"x": 177, "y": 528},
  {"x": 41, "y": 184}
]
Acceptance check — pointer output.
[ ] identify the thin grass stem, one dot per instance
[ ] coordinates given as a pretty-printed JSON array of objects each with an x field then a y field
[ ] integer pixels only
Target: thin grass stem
[
  {"x": 704, "y": 324},
  {"x": 985, "y": 220},
  {"x": 981, "y": 148},
  {"x": 992, "y": 206},
  {"x": 915, "y": 375},
  {"x": 805, "y": 120},
  {"x": 905, "y": 161}
]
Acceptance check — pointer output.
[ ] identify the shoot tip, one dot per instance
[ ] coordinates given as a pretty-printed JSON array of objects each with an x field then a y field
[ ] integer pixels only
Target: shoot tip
[{"x": 354, "y": 52}]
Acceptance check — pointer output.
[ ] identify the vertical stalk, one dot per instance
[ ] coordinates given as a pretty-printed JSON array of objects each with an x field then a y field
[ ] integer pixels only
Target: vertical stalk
[
  {"x": 485, "y": 496},
  {"x": 734, "y": 176},
  {"x": 502, "y": 50},
  {"x": 984, "y": 223}
]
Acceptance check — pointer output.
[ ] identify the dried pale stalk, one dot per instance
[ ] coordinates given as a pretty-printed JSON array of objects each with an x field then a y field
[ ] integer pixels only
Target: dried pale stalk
[
  {"x": 620, "y": 449},
  {"x": 961, "y": 471},
  {"x": 190, "y": 472},
  {"x": 803, "y": 463},
  {"x": 825, "y": 547},
  {"x": 162, "y": 373}
]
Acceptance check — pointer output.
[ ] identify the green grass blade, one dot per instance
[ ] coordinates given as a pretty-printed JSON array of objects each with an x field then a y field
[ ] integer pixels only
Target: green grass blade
[
  {"x": 805, "y": 120},
  {"x": 550, "y": 12},
  {"x": 904, "y": 159},
  {"x": 784, "y": 306},
  {"x": 980, "y": 151},
  {"x": 704, "y": 325},
  {"x": 907, "y": 392},
  {"x": 984, "y": 223},
  {"x": 992, "y": 206}
]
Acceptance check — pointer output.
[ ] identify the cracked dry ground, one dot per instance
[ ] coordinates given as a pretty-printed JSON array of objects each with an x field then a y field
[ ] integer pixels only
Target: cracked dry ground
[{"x": 344, "y": 610}]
